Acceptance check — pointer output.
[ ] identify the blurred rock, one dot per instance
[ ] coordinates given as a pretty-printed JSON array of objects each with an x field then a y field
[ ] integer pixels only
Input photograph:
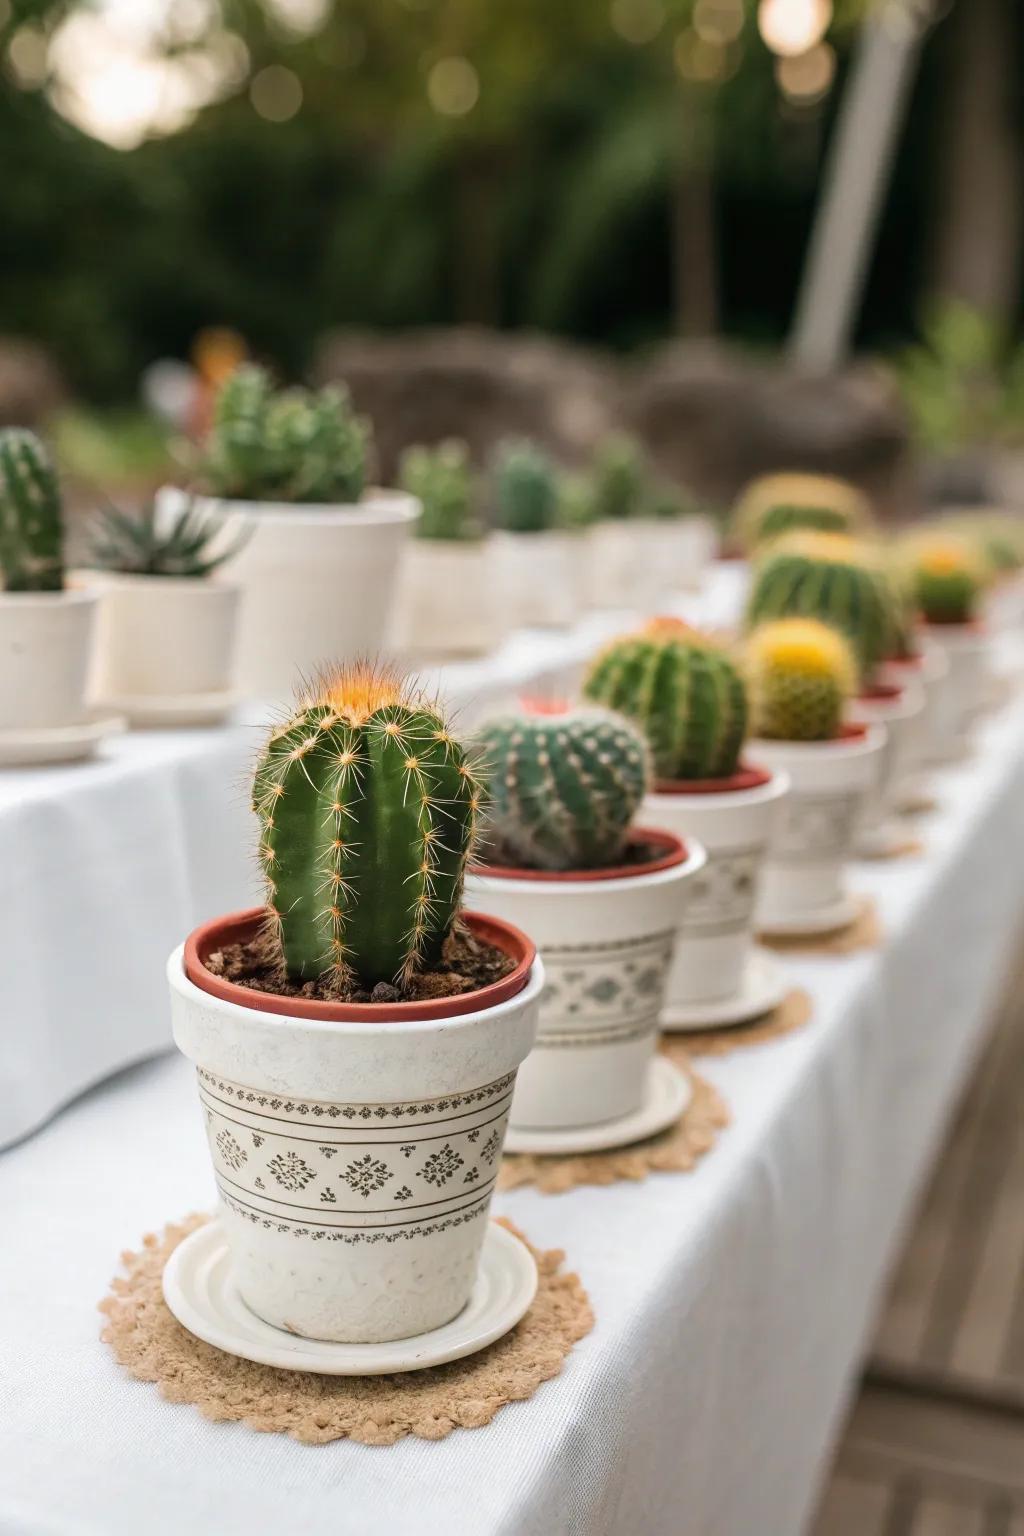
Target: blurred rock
[{"x": 30, "y": 385}]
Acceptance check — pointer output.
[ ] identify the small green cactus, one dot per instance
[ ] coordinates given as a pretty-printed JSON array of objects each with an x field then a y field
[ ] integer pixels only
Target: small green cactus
[
  {"x": 31, "y": 515},
  {"x": 948, "y": 578},
  {"x": 442, "y": 481},
  {"x": 830, "y": 577},
  {"x": 525, "y": 488},
  {"x": 147, "y": 545},
  {"x": 577, "y": 507},
  {"x": 563, "y": 787},
  {"x": 620, "y": 478},
  {"x": 293, "y": 446},
  {"x": 684, "y": 692},
  {"x": 368, "y": 807},
  {"x": 801, "y": 674}
]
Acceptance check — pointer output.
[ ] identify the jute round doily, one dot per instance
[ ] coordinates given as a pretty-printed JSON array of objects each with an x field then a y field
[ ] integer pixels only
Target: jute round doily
[
  {"x": 673, "y": 1151},
  {"x": 792, "y": 1013},
  {"x": 865, "y": 932},
  {"x": 376, "y": 1410}
]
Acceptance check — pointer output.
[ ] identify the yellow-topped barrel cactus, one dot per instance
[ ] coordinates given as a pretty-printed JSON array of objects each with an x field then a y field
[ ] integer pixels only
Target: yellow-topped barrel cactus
[
  {"x": 801, "y": 674},
  {"x": 368, "y": 806},
  {"x": 775, "y": 504},
  {"x": 948, "y": 575}
]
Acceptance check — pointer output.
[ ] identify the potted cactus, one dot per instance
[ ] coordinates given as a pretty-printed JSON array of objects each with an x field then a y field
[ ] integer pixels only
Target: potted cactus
[
  {"x": 949, "y": 588},
  {"x": 688, "y": 696},
  {"x": 915, "y": 660},
  {"x": 621, "y": 573},
  {"x": 602, "y": 898},
  {"x": 446, "y": 595},
  {"x": 319, "y": 569},
  {"x": 802, "y": 675},
  {"x": 166, "y": 635},
  {"x": 46, "y": 627},
  {"x": 536, "y": 570},
  {"x": 776, "y": 504},
  {"x": 357, "y": 1039}
]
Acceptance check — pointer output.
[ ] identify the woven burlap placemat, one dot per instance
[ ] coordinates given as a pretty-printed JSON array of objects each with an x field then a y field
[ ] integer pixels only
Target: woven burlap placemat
[
  {"x": 673, "y": 1151},
  {"x": 792, "y": 1013},
  {"x": 864, "y": 932},
  {"x": 375, "y": 1410}
]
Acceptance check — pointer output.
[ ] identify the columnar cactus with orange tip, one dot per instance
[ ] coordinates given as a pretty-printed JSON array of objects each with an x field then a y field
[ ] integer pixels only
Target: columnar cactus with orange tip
[{"x": 368, "y": 808}]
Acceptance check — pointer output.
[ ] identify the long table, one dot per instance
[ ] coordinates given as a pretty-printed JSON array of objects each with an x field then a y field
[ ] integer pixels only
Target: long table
[{"x": 733, "y": 1303}]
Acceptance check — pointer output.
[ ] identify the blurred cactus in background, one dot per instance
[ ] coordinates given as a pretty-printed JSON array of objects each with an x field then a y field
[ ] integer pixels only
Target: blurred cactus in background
[
  {"x": 801, "y": 674},
  {"x": 525, "y": 488},
  {"x": 442, "y": 481},
  {"x": 31, "y": 515},
  {"x": 775, "y": 504},
  {"x": 143, "y": 544},
  {"x": 620, "y": 478},
  {"x": 948, "y": 577}
]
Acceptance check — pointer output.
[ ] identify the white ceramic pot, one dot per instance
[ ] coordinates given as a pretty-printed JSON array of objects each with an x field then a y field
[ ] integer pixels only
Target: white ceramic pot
[
  {"x": 318, "y": 582},
  {"x": 446, "y": 598},
  {"x": 46, "y": 644},
  {"x": 828, "y": 782},
  {"x": 967, "y": 648},
  {"x": 354, "y": 1157},
  {"x": 161, "y": 636},
  {"x": 537, "y": 578},
  {"x": 734, "y": 825},
  {"x": 606, "y": 938},
  {"x": 900, "y": 708},
  {"x": 936, "y": 734},
  {"x": 615, "y": 566}
]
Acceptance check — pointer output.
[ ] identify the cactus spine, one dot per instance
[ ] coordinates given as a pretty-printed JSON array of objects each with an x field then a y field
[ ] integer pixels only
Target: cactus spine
[
  {"x": 563, "y": 788},
  {"x": 829, "y": 577},
  {"x": 683, "y": 691},
  {"x": 801, "y": 673},
  {"x": 526, "y": 490},
  {"x": 775, "y": 504},
  {"x": 442, "y": 481},
  {"x": 31, "y": 515},
  {"x": 368, "y": 807}
]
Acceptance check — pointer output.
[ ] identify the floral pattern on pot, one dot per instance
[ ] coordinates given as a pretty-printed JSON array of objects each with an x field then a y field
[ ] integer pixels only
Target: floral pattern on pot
[
  {"x": 603, "y": 994},
  {"x": 722, "y": 894},
  {"x": 355, "y": 1173}
]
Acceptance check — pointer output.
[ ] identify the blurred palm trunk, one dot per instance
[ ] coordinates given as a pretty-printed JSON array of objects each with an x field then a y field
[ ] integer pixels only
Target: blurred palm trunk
[
  {"x": 977, "y": 254},
  {"x": 694, "y": 234}
]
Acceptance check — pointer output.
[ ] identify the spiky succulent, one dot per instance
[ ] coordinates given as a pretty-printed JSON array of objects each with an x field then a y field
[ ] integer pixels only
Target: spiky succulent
[
  {"x": 948, "y": 578},
  {"x": 525, "y": 488},
  {"x": 293, "y": 445},
  {"x": 442, "y": 481},
  {"x": 620, "y": 476},
  {"x": 801, "y": 674},
  {"x": 563, "y": 787},
  {"x": 685, "y": 693},
  {"x": 146, "y": 544},
  {"x": 31, "y": 515},
  {"x": 830, "y": 577},
  {"x": 368, "y": 806},
  {"x": 775, "y": 504}
]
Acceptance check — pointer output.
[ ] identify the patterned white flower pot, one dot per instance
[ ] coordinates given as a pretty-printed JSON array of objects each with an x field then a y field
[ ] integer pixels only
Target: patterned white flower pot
[
  {"x": 606, "y": 937},
  {"x": 537, "y": 577},
  {"x": 163, "y": 635},
  {"x": 967, "y": 648},
  {"x": 901, "y": 710},
  {"x": 318, "y": 582},
  {"x": 446, "y": 598},
  {"x": 733, "y": 820},
  {"x": 46, "y": 642},
  {"x": 935, "y": 737},
  {"x": 829, "y": 780},
  {"x": 355, "y": 1149}
]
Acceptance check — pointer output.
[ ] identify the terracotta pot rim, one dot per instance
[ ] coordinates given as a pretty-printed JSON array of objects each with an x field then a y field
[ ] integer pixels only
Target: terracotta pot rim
[
  {"x": 236, "y": 927},
  {"x": 880, "y": 693},
  {"x": 976, "y": 626},
  {"x": 851, "y": 733},
  {"x": 676, "y": 853},
  {"x": 917, "y": 660},
  {"x": 747, "y": 776}
]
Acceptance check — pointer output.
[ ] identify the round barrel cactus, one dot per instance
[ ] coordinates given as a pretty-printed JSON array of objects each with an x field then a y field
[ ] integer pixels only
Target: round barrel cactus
[
  {"x": 442, "y": 481},
  {"x": 368, "y": 807},
  {"x": 801, "y": 673},
  {"x": 525, "y": 488},
  {"x": 685, "y": 693},
  {"x": 775, "y": 504},
  {"x": 833, "y": 578},
  {"x": 31, "y": 515},
  {"x": 563, "y": 787},
  {"x": 948, "y": 578}
]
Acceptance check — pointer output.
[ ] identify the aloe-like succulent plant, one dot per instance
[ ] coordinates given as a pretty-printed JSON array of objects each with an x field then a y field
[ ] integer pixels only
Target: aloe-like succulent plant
[
  {"x": 146, "y": 544},
  {"x": 801, "y": 674},
  {"x": 442, "y": 481},
  {"x": 292, "y": 445},
  {"x": 563, "y": 786},
  {"x": 31, "y": 515},
  {"x": 368, "y": 807},
  {"x": 525, "y": 488}
]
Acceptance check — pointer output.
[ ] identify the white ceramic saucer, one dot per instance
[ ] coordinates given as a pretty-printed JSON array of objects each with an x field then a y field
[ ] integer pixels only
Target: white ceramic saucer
[
  {"x": 58, "y": 743},
  {"x": 839, "y": 914},
  {"x": 199, "y": 1287},
  {"x": 763, "y": 987},
  {"x": 666, "y": 1096},
  {"x": 174, "y": 710}
]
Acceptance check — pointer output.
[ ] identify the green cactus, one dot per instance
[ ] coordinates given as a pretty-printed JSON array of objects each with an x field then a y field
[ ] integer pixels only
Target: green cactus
[
  {"x": 525, "y": 486},
  {"x": 31, "y": 515},
  {"x": 776, "y": 504},
  {"x": 368, "y": 807},
  {"x": 620, "y": 478},
  {"x": 948, "y": 578},
  {"x": 833, "y": 578},
  {"x": 563, "y": 787},
  {"x": 577, "y": 508},
  {"x": 293, "y": 446},
  {"x": 683, "y": 691},
  {"x": 442, "y": 481},
  {"x": 801, "y": 674}
]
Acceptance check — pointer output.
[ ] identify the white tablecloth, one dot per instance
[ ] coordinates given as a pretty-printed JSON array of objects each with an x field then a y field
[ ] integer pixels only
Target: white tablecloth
[{"x": 732, "y": 1303}]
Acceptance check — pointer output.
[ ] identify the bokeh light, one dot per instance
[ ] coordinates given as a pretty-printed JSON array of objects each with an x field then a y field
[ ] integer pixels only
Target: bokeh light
[
  {"x": 718, "y": 21},
  {"x": 807, "y": 77},
  {"x": 453, "y": 86},
  {"x": 792, "y": 27},
  {"x": 276, "y": 93},
  {"x": 637, "y": 21}
]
